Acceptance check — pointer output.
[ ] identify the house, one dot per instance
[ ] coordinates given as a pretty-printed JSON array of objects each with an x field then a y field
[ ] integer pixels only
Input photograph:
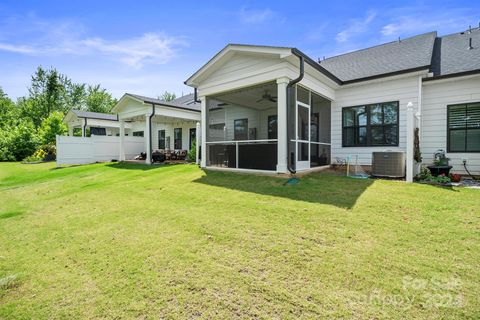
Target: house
[
  {"x": 275, "y": 109},
  {"x": 164, "y": 125},
  {"x": 139, "y": 125},
  {"x": 86, "y": 123}
]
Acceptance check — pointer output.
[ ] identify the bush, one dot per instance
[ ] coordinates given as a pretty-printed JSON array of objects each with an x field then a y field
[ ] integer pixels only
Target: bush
[
  {"x": 192, "y": 154},
  {"x": 51, "y": 127},
  {"x": 426, "y": 176},
  {"x": 17, "y": 142},
  {"x": 46, "y": 152}
]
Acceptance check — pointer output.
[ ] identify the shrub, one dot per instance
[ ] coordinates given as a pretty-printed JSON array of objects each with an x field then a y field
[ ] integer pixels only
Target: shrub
[
  {"x": 455, "y": 177},
  {"x": 192, "y": 154},
  {"x": 17, "y": 142}
]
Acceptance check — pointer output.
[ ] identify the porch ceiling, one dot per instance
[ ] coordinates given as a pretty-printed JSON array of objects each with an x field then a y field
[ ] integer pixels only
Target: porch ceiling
[{"x": 247, "y": 97}]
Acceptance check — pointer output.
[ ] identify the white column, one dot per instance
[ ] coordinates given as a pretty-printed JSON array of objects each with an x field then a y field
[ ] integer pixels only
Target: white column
[
  {"x": 70, "y": 131},
  {"x": 197, "y": 143},
  {"x": 121, "y": 156},
  {"x": 203, "y": 161},
  {"x": 147, "y": 138},
  {"x": 282, "y": 155},
  {"x": 410, "y": 144}
]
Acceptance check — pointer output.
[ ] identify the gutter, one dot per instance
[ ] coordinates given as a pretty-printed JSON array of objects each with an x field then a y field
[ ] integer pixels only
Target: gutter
[
  {"x": 291, "y": 154},
  {"x": 453, "y": 75},
  {"x": 150, "y": 131}
]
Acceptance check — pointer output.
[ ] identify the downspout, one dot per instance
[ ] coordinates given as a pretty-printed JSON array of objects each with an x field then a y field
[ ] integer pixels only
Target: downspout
[
  {"x": 150, "y": 129},
  {"x": 290, "y": 153},
  {"x": 84, "y": 127},
  {"x": 195, "y": 96}
]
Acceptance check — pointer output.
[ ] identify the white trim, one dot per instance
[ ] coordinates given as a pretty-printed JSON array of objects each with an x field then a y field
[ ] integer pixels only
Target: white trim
[
  {"x": 241, "y": 141},
  {"x": 240, "y": 170}
]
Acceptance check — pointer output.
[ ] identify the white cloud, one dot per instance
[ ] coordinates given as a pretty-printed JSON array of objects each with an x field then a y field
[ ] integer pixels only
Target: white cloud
[
  {"x": 416, "y": 24},
  {"x": 256, "y": 16},
  {"x": 356, "y": 26},
  {"x": 56, "y": 39}
]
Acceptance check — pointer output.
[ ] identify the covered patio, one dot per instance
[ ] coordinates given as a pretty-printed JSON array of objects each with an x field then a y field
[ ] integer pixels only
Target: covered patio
[
  {"x": 265, "y": 109},
  {"x": 167, "y": 127}
]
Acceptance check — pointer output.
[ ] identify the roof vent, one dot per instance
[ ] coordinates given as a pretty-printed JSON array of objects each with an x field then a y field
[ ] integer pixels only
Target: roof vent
[
  {"x": 469, "y": 29},
  {"x": 470, "y": 47}
]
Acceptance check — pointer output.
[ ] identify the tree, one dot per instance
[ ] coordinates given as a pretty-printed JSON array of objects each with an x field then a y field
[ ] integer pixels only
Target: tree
[
  {"x": 7, "y": 109},
  {"x": 99, "y": 100},
  {"x": 50, "y": 91},
  {"x": 51, "y": 127},
  {"x": 167, "y": 96}
]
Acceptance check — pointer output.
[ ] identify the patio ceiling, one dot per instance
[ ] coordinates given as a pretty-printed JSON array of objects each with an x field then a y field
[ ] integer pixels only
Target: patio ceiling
[{"x": 247, "y": 97}]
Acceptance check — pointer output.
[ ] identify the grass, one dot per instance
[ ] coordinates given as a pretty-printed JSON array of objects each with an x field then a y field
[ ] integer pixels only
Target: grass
[{"x": 131, "y": 241}]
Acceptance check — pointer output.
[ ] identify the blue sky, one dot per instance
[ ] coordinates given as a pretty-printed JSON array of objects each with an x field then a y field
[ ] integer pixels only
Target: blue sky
[{"x": 147, "y": 47}]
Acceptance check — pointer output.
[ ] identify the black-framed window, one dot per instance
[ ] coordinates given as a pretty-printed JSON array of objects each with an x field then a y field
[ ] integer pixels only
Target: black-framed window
[
  {"x": 98, "y": 131},
  {"x": 240, "y": 127},
  {"x": 161, "y": 139},
  {"x": 272, "y": 126},
  {"x": 137, "y": 133},
  {"x": 463, "y": 127},
  {"x": 370, "y": 125},
  {"x": 177, "y": 138}
]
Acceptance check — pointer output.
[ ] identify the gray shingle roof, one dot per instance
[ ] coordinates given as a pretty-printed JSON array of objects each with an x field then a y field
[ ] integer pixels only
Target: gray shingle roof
[
  {"x": 95, "y": 115},
  {"x": 452, "y": 54},
  {"x": 186, "y": 102},
  {"x": 397, "y": 56}
]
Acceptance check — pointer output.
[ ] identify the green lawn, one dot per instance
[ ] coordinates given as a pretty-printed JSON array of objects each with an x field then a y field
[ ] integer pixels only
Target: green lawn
[{"x": 131, "y": 241}]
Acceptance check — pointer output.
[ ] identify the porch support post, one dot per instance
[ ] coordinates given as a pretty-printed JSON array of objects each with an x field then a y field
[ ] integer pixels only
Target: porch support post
[
  {"x": 197, "y": 143},
  {"x": 148, "y": 159},
  {"x": 410, "y": 142},
  {"x": 70, "y": 131},
  {"x": 121, "y": 156},
  {"x": 203, "y": 160},
  {"x": 282, "y": 125}
]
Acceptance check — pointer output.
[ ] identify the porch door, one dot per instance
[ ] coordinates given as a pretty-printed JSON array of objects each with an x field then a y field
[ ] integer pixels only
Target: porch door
[
  {"x": 303, "y": 136},
  {"x": 193, "y": 136}
]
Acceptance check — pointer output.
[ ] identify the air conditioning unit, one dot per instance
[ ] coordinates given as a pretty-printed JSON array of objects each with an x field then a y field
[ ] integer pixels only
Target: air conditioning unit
[{"x": 388, "y": 164}]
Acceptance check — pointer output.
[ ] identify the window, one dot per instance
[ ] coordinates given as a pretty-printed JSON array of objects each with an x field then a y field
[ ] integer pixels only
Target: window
[
  {"x": 177, "y": 138},
  {"x": 138, "y": 133},
  {"x": 98, "y": 131},
  {"x": 463, "y": 127},
  {"x": 241, "y": 129},
  {"x": 370, "y": 125},
  {"x": 161, "y": 139},
  {"x": 272, "y": 127}
]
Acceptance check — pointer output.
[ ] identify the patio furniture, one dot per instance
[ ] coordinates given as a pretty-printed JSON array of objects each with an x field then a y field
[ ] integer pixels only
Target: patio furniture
[
  {"x": 168, "y": 154},
  {"x": 182, "y": 154},
  {"x": 158, "y": 157}
]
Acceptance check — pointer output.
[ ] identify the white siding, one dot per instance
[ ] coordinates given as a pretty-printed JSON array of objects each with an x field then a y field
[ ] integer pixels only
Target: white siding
[
  {"x": 169, "y": 128},
  {"x": 436, "y": 96},
  {"x": 403, "y": 90},
  {"x": 241, "y": 64}
]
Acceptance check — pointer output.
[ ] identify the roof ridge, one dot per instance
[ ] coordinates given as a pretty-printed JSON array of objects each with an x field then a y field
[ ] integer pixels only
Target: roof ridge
[{"x": 378, "y": 45}]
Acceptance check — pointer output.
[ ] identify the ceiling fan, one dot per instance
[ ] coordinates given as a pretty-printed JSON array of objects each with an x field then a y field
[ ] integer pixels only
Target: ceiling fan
[{"x": 267, "y": 96}]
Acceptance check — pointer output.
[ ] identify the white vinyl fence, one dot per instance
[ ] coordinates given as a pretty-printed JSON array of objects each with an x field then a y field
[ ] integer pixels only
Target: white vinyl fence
[{"x": 79, "y": 150}]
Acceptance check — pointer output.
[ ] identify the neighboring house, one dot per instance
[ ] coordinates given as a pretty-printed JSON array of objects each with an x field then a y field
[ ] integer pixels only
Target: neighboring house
[
  {"x": 85, "y": 122},
  {"x": 275, "y": 109},
  {"x": 165, "y": 125}
]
